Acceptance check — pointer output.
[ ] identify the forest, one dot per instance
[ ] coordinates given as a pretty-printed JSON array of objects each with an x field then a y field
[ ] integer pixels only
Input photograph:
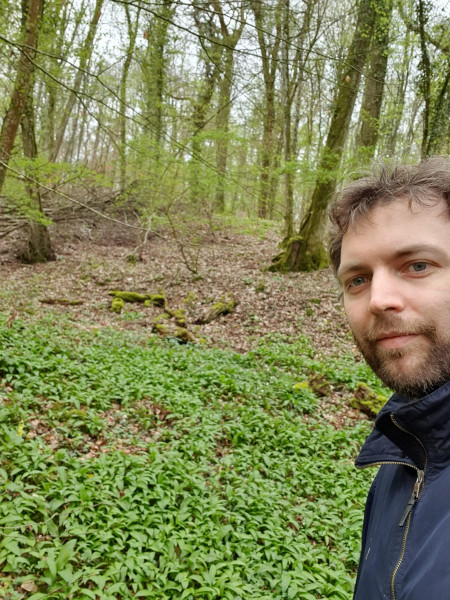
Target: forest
[
  {"x": 181, "y": 398},
  {"x": 169, "y": 115}
]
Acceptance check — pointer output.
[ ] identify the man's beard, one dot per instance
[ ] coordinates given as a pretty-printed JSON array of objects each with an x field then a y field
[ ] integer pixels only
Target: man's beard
[{"x": 432, "y": 368}]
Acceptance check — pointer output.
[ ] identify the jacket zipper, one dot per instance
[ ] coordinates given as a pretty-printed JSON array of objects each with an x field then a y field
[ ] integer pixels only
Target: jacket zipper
[
  {"x": 414, "y": 497},
  {"x": 405, "y": 521}
]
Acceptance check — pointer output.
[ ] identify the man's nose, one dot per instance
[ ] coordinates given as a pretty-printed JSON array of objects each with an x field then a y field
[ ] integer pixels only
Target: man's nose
[{"x": 385, "y": 293}]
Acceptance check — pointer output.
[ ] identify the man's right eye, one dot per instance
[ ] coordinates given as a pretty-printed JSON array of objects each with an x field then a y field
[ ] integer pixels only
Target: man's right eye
[{"x": 357, "y": 281}]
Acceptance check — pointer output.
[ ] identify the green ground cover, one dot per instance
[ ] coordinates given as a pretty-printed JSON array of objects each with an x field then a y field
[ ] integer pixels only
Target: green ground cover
[{"x": 132, "y": 467}]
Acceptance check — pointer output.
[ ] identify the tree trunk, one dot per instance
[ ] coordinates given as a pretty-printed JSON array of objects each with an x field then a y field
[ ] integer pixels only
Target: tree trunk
[
  {"x": 22, "y": 84},
  {"x": 212, "y": 59},
  {"x": 397, "y": 107},
  {"x": 269, "y": 58},
  {"x": 425, "y": 68},
  {"x": 230, "y": 40},
  {"x": 292, "y": 80},
  {"x": 305, "y": 251},
  {"x": 367, "y": 137},
  {"x": 86, "y": 53},
  {"x": 132, "y": 35},
  {"x": 439, "y": 125},
  {"x": 39, "y": 246}
]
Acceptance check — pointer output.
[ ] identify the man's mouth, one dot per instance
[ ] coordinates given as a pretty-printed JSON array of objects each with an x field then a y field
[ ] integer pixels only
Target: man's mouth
[{"x": 395, "y": 339}]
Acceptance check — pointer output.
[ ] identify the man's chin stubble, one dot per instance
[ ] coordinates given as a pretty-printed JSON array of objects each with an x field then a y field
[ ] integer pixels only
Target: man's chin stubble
[{"x": 427, "y": 374}]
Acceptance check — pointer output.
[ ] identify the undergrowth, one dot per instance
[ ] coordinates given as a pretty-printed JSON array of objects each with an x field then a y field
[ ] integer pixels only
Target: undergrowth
[{"x": 137, "y": 468}]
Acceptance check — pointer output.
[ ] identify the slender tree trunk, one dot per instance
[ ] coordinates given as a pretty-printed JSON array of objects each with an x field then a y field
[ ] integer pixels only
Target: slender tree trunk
[
  {"x": 155, "y": 72},
  {"x": 396, "y": 110},
  {"x": 292, "y": 80},
  {"x": 439, "y": 126},
  {"x": 367, "y": 136},
  {"x": 132, "y": 34},
  {"x": 22, "y": 84},
  {"x": 86, "y": 53},
  {"x": 230, "y": 40},
  {"x": 212, "y": 61},
  {"x": 269, "y": 47},
  {"x": 222, "y": 122},
  {"x": 425, "y": 67}
]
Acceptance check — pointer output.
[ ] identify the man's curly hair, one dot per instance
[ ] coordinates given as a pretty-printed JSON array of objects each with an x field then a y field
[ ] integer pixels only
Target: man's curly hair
[{"x": 426, "y": 184}]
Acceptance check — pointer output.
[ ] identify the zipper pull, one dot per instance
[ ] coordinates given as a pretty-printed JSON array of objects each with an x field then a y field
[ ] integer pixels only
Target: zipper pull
[{"x": 414, "y": 497}]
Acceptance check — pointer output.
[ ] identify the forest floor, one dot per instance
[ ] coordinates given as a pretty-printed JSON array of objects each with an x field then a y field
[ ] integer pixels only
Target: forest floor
[{"x": 93, "y": 261}]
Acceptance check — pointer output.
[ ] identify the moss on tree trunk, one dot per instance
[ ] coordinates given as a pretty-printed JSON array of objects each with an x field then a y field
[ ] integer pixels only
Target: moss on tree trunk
[{"x": 39, "y": 247}]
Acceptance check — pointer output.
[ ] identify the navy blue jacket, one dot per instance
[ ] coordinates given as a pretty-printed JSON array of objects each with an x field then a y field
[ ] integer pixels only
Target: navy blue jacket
[{"x": 406, "y": 535}]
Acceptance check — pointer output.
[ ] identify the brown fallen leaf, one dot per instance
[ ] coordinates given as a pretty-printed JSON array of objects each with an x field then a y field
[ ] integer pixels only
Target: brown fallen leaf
[{"x": 29, "y": 586}]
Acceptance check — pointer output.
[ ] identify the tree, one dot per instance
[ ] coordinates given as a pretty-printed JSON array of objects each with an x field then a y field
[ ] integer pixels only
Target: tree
[
  {"x": 268, "y": 23},
  {"x": 24, "y": 72},
  {"x": 292, "y": 76},
  {"x": 39, "y": 247},
  {"x": 211, "y": 57},
  {"x": 229, "y": 40},
  {"x": 367, "y": 136},
  {"x": 132, "y": 29},
  {"x": 85, "y": 55},
  {"x": 305, "y": 251}
]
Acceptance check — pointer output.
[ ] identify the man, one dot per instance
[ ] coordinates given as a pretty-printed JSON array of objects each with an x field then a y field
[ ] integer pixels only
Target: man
[{"x": 391, "y": 252}]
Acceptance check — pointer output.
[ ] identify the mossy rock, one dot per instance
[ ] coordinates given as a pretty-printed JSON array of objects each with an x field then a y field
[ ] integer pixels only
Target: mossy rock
[
  {"x": 117, "y": 305},
  {"x": 224, "y": 306},
  {"x": 319, "y": 384},
  {"x": 157, "y": 299},
  {"x": 171, "y": 330},
  {"x": 130, "y": 296},
  {"x": 179, "y": 317},
  {"x": 161, "y": 318},
  {"x": 367, "y": 401},
  {"x": 146, "y": 299}
]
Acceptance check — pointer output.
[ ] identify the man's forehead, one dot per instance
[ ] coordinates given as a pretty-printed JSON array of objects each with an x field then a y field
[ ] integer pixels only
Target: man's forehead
[
  {"x": 410, "y": 206},
  {"x": 395, "y": 230}
]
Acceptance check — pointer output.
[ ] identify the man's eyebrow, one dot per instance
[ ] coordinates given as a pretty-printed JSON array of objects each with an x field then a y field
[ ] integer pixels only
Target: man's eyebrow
[
  {"x": 350, "y": 268},
  {"x": 417, "y": 249},
  {"x": 409, "y": 250}
]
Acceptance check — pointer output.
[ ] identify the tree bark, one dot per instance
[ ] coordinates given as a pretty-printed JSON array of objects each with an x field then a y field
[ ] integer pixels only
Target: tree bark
[
  {"x": 132, "y": 35},
  {"x": 230, "y": 40},
  {"x": 367, "y": 137},
  {"x": 269, "y": 58},
  {"x": 425, "y": 67},
  {"x": 22, "y": 84}
]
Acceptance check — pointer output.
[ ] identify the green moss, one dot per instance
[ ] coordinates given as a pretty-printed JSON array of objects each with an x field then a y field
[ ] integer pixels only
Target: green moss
[
  {"x": 168, "y": 330},
  {"x": 161, "y": 318},
  {"x": 130, "y": 296},
  {"x": 224, "y": 306},
  {"x": 319, "y": 384},
  {"x": 146, "y": 299},
  {"x": 296, "y": 258},
  {"x": 180, "y": 317},
  {"x": 367, "y": 401},
  {"x": 117, "y": 305},
  {"x": 157, "y": 299},
  {"x": 190, "y": 298},
  {"x": 184, "y": 335}
]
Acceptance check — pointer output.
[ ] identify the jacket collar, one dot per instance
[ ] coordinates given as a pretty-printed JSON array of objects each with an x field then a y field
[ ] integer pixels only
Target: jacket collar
[{"x": 416, "y": 432}]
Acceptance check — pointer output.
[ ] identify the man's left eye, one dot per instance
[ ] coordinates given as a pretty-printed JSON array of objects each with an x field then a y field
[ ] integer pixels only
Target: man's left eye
[{"x": 417, "y": 267}]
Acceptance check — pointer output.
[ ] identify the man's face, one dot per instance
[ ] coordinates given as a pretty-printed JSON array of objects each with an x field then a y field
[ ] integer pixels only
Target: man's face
[{"x": 395, "y": 273}]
